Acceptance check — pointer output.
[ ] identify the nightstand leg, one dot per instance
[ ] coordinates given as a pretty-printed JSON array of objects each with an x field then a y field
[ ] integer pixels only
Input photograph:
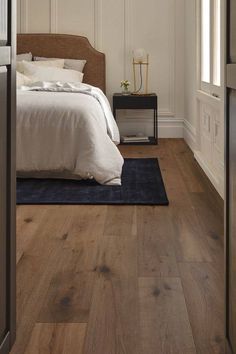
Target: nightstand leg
[
  {"x": 156, "y": 126},
  {"x": 154, "y": 123}
]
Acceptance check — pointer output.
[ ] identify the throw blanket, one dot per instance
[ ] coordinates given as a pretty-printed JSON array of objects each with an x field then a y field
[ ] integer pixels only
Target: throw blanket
[{"x": 67, "y": 131}]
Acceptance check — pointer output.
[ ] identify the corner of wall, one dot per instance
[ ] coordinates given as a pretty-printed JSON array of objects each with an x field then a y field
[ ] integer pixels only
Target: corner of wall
[{"x": 189, "y": 134}]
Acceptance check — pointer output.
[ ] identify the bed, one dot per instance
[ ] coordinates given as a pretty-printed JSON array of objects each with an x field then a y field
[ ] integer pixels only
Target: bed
[{"x": 67, "y": 132}]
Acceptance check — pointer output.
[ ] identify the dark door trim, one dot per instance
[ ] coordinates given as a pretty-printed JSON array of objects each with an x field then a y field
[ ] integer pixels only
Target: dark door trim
[
  {"x": 5, "y": 347},
  {"x": 230, "y": 73},
  {"x": 11, "y": 174},
  {"x": 228, "y": 349},
  {"x": 8, "y": 57}
]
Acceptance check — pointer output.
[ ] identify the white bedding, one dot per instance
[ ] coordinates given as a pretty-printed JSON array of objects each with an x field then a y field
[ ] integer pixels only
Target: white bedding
[{"x": 68, "y": 134}]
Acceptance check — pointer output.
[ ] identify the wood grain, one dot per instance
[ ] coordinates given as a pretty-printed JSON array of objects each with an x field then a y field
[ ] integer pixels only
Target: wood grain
[
  {"x": 113, "y": 325},
  {"x": 28, "y": 221},
  {"x": 191, "y": 243},
  {"x": 188, "y": 167},
  {"x": 57, "y": 338},
  {"x": 69, "y": 295},
  {"x": 35, "y": 270},
  {"x": 119, "y": 221},
  {"x": 204, "y": 292},
  {"x": 156, "y": 234},
  {"x": 125, "y": 279},
  {"x": 211, "y": 221},
  {"x": 163, "y": 317}
]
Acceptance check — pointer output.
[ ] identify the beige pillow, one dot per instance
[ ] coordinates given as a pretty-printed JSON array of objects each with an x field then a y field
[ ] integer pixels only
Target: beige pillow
[
  {"x": 59, "y": 63},
  {"x": 22, "y": 79},
  {"x": 24, "y": 56},
  {"x": 72, "y": 64},
  {"x": 45, "y": 73}
]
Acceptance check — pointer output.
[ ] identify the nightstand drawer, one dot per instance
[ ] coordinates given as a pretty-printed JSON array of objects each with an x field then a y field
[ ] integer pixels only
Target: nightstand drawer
[{"x": 134, "y": 102}]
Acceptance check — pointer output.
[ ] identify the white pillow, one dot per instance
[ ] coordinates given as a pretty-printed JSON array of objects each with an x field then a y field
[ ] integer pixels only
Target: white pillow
[
  {"x": 20, "y": 58},
  {"x": 25, "y": 56},
  {"x": 49, "y": 63},
  {"x": 41, "y": 73},
  {"x": 22, "y": 79},
  {"x": 74, "y": 64}
]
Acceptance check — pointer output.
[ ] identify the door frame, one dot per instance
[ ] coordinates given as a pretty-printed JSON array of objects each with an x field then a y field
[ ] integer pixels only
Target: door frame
[
  {"x": 228, "y": 347},
  {"x": 11, "y": 185}
]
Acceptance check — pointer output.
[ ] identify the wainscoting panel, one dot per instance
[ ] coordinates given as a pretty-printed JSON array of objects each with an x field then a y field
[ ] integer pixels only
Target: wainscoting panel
[
  {"x": 117, "y": 28},
  {"x": 76, "y": 17},
  {"x": 36, "y": 16},
  {"x": 210, "y": 152},
  {"x": 19, "y": 16},
  {"x": 158, "y": 38},
  {"x": 111, "y": 39}
]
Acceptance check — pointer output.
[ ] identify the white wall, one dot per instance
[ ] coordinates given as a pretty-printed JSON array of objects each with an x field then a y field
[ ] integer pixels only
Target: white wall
[
  {"x": 190, "y": 123},
  {"x": 204, "y": 114},
  {"x": 116, "y": 27}
]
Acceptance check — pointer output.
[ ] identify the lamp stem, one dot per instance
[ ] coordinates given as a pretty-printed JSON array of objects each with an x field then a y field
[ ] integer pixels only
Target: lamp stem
[
  {"x": 141, "y": 78},
  {"x": 147, "y": 73},
  {"x": 135, "y": 87}
]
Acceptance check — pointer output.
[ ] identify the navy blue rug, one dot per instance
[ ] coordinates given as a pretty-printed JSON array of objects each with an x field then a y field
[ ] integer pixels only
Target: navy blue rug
[{"x": 142, "y": 184}]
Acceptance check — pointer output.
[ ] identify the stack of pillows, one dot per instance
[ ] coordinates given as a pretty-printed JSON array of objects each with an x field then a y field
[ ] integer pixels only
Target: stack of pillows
[{"x": 48, "y": 69}]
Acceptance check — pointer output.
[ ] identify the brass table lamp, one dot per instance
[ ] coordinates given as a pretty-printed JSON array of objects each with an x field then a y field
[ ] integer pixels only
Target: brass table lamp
[{"x": 141, "y": 62}]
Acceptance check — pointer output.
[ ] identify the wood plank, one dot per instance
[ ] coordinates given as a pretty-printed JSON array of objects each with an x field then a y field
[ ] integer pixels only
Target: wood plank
[
  {"x": 194, "y": 241},
  {"x": 206, "y": 204},
  {"x": 211, "y": 220},
  {"x": 81, "y": 263},
  {"x": 35, "y": 270},
  {"x": 155, "y": 243},
  {"x": 120, "y": 220},
  {"x": 189, "y": 168},
  {"x": 69, "y": 295},
  {"x": 203, "y": 286},
  {"x": 27, "y": 223},
  {"x": 113, "y": 325},
  {"x": 165, "y": 326},
  {"x": 190, "y": 240},
  {"x": 38, "y": 266},
  {"x": 50, "y": 338}
]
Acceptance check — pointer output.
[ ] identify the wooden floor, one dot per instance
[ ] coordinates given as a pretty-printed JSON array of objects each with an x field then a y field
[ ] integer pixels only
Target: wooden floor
[{"x": 125, "y": 279}]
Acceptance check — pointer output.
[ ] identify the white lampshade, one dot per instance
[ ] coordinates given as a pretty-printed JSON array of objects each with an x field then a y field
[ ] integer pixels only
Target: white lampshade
[{"x": 140, "y": 55}]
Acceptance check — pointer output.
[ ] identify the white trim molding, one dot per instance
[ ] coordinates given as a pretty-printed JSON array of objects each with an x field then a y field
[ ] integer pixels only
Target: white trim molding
[
  {"x": 98, "y": 19},
  {"x": 216, "y": 180},
  {"x": 170, "y": 127},
  {"x": 53, "y": 16},
  {"x": 172, "y": 67},
  {"x": 24, "y": 16},
  {"x": 189, "y": 134}
]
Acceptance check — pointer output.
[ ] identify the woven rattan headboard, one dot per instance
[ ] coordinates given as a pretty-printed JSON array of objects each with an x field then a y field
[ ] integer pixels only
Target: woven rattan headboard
[{"x": 66, "y": 46}]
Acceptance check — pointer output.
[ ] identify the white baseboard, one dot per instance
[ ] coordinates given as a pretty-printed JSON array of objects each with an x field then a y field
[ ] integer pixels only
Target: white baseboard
[
  {"x": 216, "y": 180},
  {"x": 200, "y": 159},
  {"x": 189, "y": 134},
  {"x": 171, "y": 128}
]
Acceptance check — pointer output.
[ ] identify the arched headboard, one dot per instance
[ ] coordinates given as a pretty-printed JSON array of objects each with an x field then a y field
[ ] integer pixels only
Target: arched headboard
[{"x": 69, "y": 47}]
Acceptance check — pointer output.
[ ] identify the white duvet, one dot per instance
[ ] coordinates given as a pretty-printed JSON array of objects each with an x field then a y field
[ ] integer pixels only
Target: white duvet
[{"x": 67, "y": 131}]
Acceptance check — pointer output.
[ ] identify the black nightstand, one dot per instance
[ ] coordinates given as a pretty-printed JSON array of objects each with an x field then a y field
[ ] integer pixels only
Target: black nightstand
[{"x": 139, "y": 102}]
